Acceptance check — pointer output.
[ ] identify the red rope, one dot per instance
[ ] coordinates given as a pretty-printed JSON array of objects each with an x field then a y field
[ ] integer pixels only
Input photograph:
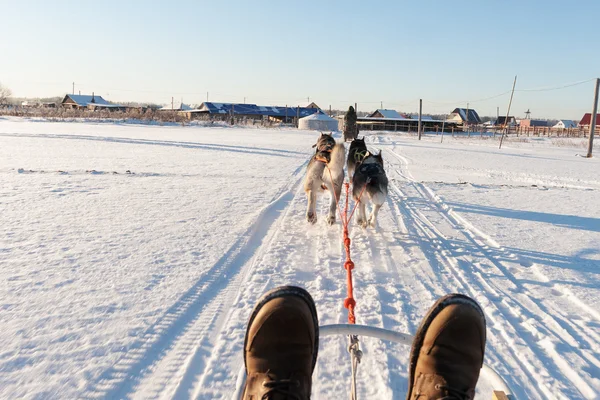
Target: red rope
[{"x": 349, "y": 302}]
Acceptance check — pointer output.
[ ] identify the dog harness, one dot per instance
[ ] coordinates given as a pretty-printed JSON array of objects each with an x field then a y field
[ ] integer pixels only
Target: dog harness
[
  {"x": 359, "y": 156},
  {"x": 370, "y": 169},
  {"x": 323, "y": 149}
]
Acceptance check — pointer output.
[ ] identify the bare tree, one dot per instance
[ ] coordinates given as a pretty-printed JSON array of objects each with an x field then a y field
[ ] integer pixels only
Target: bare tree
[{"x": 5, "y": 93}]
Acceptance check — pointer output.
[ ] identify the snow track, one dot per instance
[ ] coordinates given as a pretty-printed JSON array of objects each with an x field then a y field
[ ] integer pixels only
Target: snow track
[
  {"x": 211, "y": 257},
  {"x": 421, "y": 249},
  {"x": 176, "y": 350},
  {"x": 524, "y": 332}
]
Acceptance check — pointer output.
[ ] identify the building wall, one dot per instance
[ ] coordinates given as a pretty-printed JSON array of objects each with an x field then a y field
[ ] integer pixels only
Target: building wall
[
  {"x": 455, "y": 118},
  {"x": 69, "y": 103}
]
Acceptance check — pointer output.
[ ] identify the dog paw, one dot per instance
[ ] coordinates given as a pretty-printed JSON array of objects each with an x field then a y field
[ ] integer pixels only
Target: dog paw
[
  {"x": 312, "y": 218},
  {"x": 361, "y": 222},
  {"x": 331, "y": 219}
]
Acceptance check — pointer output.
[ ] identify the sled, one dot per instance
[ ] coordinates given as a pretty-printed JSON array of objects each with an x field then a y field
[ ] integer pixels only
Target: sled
[{"x": 501, "y": 389}]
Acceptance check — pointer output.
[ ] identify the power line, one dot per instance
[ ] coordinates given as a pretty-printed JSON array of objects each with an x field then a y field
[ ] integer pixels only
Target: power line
[
  {"x": 543, "y": 89},
  {"x": 556, "y": 87},
  {"x": 201, "y": 94}
]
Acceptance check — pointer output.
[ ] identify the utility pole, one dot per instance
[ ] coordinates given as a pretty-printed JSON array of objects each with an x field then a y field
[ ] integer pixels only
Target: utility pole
[
  {"x": 308, "y": 100},
  {"x": 356, "y": 109},
  {"x": 381, "y": 105},
  {"x": 467, "y": 120},
  {"x": 73, "y": 87},
  {"x": 330, "y": 110},
  {"x": 420, "y": 112},
  {"x": 172, "y": 104},
  {"x": 207, "y": 97},
  {"x": 244, "y": 100},
  {"x": 593, "y": 120},
  {"x": 508, "y": 111},
  {"x": 443, "y": 123}
]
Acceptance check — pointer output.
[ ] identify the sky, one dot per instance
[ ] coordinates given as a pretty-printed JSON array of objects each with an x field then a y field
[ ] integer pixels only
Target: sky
[{"x": 335, "y": 53}]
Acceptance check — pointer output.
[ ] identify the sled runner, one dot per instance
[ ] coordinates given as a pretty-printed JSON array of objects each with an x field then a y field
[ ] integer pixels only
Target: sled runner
[{"x": 501, "y": 389}]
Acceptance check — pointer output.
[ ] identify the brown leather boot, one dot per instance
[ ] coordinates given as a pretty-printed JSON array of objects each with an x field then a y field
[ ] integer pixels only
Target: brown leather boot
[
  {"x": 447, "y": 352},
  {"x": 281, "y": 345}
]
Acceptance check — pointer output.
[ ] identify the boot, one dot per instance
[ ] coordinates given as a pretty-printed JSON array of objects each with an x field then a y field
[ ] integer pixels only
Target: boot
[
  {"x": 447, "y": 351},
  {"x": 281, "y": 345}
]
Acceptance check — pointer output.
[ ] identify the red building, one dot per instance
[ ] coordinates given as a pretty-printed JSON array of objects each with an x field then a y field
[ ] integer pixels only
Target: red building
[{"x": 585, "y": 121}]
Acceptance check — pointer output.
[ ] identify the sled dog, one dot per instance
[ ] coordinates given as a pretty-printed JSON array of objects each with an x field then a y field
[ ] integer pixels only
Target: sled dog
[
  {"x": 356, "y": 153},
  {"x": 329, "y": 156},
  {"x": 370, "y": 179}
]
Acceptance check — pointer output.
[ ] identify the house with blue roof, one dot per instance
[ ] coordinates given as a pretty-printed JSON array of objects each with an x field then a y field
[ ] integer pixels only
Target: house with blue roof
[
  {"x": 253, "y": 111},
  {"x": 464, "y": 116},
  {"x": 565, "y": 124}
]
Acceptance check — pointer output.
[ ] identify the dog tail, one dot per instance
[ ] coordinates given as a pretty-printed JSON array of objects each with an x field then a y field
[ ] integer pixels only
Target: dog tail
[{"x": 338, "y": 157}]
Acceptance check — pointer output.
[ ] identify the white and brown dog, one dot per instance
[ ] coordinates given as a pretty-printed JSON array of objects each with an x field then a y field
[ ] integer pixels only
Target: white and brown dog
[{"x": 325, "y": 171}]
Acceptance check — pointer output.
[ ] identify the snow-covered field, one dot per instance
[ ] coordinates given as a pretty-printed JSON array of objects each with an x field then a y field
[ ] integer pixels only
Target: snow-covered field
[{"x": 131, "y": 256}]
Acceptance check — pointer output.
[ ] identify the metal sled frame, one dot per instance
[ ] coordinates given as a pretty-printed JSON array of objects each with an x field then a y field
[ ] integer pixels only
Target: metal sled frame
[{"x": 492, "y": 376}]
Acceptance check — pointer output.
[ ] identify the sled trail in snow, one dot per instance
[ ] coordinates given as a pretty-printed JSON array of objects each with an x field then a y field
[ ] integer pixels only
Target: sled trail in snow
[
  {"x": 175, "y": 352},
  {"x": 531, "y": 342},
  {"x": 421, "y": 250},
  {"x": 144, "y": 288}
]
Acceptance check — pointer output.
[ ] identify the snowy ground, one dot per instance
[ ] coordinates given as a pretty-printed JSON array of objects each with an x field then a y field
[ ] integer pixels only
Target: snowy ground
[{"x": 139, "y": 284}]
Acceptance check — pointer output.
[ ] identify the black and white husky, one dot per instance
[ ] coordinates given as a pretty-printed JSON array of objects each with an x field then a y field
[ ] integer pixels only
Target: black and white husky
[
  {"x": 370, "y": 180},
  {"x": 356, "y": 153},
  {"x": 329, "y": 157}
]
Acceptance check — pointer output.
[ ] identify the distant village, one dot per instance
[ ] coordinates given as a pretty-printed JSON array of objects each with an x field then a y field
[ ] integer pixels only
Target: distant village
[{"x": 459, "y": 119}]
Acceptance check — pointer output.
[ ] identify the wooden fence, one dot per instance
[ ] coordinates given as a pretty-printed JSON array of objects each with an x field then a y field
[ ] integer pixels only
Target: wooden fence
[{"x": 480, "y": 130}]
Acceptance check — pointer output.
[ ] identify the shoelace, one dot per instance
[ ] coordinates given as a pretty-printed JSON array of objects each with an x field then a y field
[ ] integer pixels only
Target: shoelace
[
  {"x": 453, "y": 394},
  {"x": 281, "y": 386}
]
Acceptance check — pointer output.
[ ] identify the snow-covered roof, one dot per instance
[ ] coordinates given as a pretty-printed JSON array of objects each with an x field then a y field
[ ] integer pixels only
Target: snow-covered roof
[
  {"x": 176, "y": 107},
  {"x": 319, "y": 117},
  {"x": 253, "y": 109},
  {"x": 84, "y": 99},
  {"x": 387, "y": 114}
]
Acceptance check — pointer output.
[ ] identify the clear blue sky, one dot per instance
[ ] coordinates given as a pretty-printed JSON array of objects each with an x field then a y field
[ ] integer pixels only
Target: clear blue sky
[{"x": 281, "y": 52}]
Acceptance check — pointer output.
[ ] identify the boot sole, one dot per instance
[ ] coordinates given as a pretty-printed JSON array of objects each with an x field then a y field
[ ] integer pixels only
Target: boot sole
[
  {"x": 433, "y": 312},
  {"x": 285, "y": 291}
]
